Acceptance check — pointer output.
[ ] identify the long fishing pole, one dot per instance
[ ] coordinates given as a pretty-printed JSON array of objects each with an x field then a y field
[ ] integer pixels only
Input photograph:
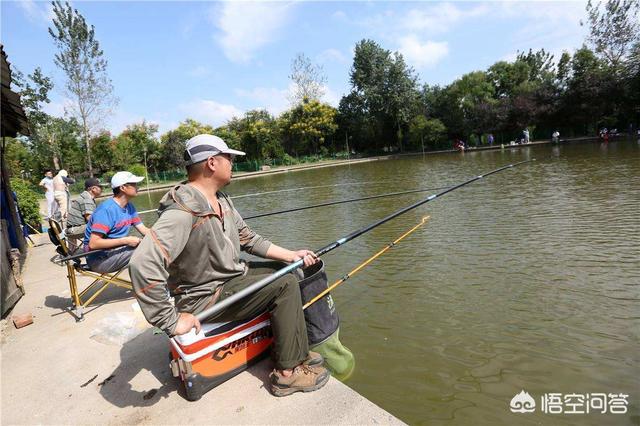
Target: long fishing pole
[
  {"x": 333, "y": 203},
  {"x": 365, "y": 263},
  {"x": 220, "y": 306}
]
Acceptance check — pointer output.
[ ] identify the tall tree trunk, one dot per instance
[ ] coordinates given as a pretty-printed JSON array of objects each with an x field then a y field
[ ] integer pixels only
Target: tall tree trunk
[
  {"x": 55, "y": 158},
  {"x": 86, "y": 142}
]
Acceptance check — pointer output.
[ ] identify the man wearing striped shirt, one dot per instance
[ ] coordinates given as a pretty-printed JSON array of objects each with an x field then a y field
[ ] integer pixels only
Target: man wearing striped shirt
[
  {"x": 81, "y": 209},
  {"x": 108, "y": 227}
]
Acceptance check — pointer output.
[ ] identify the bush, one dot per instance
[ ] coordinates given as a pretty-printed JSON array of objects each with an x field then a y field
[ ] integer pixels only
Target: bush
[
  {"x": 77, "y": 187},
  {"x": 106, "y": 177},
  {"x": 289, "y": 160},
  {"x": 27, "y": 202},
  {"x": 138, "y": 170}
]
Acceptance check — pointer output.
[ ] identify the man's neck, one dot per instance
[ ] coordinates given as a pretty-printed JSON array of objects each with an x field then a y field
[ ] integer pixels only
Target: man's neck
[
  {"x": 122, "y": 200},
  {"x": 207, "y": 189}
]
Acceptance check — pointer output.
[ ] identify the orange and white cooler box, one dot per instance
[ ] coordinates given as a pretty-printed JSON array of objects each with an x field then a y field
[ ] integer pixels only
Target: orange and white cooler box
[{"x": 219, "y": 352}]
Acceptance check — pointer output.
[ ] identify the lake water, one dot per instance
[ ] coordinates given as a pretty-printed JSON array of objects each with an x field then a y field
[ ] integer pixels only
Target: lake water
[{"x": 526, "y": 280}]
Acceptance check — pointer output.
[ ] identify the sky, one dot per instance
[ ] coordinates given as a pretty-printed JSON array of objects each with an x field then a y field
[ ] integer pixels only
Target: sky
[{"x": 210, "y": 61}]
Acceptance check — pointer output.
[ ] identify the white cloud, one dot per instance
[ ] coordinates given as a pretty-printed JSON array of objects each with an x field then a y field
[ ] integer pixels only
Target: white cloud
[
  {"x": 556, "y": 12},
  {"x": 331, "y": 97},
  {"x": 332, "y": 55},
  {"x": 554, "y": 26},
  {"x": 509, "y": 57},
  {"x": 434, "y": 19},
  {"x": 427, "y": 18},
  {"x": 246, "y": 27},
  {"x": 422, "y": 54},
  {"x": 56, "y": 108},
  {"x": 38, "y": 12},
  {"x": 119, "y": 119},
  {"x": 199, "y": 71},
  {"x": 270, "y": 98},
  {"x": 209, "y": 112},
  {"x": 340, "y": 15},
  {"x": 276, "y": 101}
]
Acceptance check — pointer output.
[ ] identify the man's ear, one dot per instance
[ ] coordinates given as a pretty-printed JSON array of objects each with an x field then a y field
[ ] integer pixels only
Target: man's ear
[{"x": 210, "y": 164}]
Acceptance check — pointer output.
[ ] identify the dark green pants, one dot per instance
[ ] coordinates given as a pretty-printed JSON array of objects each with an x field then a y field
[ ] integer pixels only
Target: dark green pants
[{"x": 282, "y": 299}]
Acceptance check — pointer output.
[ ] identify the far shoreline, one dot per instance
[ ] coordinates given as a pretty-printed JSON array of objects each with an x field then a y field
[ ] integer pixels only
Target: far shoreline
[{"x": 333, "y": 163}]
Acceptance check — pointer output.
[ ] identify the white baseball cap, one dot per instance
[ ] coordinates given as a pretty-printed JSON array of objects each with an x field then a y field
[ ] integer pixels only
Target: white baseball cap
[
  {"x": 201, "y": 147},
  {"x": 122, "y": 178}
]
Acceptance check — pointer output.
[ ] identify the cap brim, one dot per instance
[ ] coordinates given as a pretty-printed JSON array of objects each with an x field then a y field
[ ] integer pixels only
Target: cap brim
[{"x": 233, "y": 152}]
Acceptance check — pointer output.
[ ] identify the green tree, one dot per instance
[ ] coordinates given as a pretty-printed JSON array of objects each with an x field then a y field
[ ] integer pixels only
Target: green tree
[
  {"x": 54, "y": 142},
  {"x": 355, "y": 125},
  {"x": 34, "y": 93},
  {"x": 308, "y": 126},
  {"x": 468, "y": 105},
  {"x": 427, "y": 134},
  {"x": 586, "y": 99},
  {"x": 135, "y": 143},
  {"x": 27, "y": 202},
  {"x": 63, "y": 141},
  {"x": 232, "y": 138},
  {"x": 260, "y": 135},
  {"x": 632, "y": 84},
  {"x": 103, "y": 152},
  {"x": 43, "y": 141},
  {"x": 173, "y": 142},
  {"x": 384, "y": 88},
  {"x": 80, "y": 57},
  {"x": 613, "y": 29},
  {"x": 18, "y": 158}
]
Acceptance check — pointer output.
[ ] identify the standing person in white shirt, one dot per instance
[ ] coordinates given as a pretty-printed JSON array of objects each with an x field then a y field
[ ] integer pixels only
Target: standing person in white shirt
[
  {"x": 47, "y": 184},
  {"x": 60, "y": 193}
]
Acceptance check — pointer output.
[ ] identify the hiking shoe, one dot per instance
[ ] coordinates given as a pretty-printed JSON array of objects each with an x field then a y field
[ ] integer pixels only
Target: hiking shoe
[
  {"x": 303, "y": 379},
  {"x": 313, "y": 359}
]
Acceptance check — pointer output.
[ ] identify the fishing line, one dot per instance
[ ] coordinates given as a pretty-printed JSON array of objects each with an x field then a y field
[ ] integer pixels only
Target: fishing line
[{"x": 332, "y": 203}]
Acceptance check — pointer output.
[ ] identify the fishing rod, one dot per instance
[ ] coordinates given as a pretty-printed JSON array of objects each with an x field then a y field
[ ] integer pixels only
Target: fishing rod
[
  {"x": 365, "y": 263},
  {"x": 220, "y": 306},
  {"x": 332, "y": 203}
]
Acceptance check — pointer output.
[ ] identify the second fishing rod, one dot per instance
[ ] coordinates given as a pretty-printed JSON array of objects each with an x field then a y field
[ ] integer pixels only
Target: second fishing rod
[{"x": 220, "y": 306}]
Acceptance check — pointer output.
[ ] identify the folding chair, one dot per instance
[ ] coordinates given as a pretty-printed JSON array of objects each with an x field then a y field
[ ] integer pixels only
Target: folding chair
[{"x": 74, "y": 264}]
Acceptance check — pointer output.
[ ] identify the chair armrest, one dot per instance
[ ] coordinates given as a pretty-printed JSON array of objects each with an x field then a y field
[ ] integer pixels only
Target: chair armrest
[
  {"x": 80, "y": 255},
  {"x": 60, "y": 259}
]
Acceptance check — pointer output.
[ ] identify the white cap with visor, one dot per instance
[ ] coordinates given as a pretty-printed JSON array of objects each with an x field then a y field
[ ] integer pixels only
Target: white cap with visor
[
  {"x": 201, "y": 147},
  {"x": 123, "y": 178}
]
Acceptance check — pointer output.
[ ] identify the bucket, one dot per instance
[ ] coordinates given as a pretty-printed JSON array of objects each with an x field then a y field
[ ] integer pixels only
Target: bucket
[
  {"x": 321, "y": 317},
  {"x": 323, "y": 323}
]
